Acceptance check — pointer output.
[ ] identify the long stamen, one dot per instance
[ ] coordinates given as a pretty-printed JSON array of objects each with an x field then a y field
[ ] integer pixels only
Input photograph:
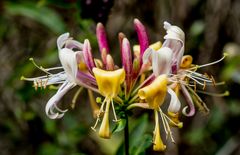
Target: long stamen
[
  {"x": 53, "y": 68},
  {"x": 114, "y": 112},
  {"x": 169, "y": 131},
  {"x": 226, "y": 93},
  {"x": 39, "y": 67},
  {"x": 211, "y": 63},
  {"x": 98, "y": 115},
  {"x": 75, "y": 97}
]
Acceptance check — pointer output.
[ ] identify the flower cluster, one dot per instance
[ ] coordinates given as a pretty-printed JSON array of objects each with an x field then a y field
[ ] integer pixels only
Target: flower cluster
[{"x": 147, "y": 76}]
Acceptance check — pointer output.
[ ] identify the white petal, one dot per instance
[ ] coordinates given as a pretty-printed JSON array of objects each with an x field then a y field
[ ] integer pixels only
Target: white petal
[
  {"x": 51, "y": 106},
  {"x": 74, "y": 44},
  {"x": 173, "y": 32},
  {"x": 69, "y": 63},
  {"x": 161, "y": 61},
  {"x": 147, "y": 54},
  {"x": 175, "y": 104},
  {"x": 61, "y": 40}
]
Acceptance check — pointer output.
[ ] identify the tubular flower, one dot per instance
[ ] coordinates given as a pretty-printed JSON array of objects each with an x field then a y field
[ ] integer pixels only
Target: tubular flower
[
  {"x": 109, "y": 83},
  {"x": 147, "y": 78},
  {"x": 69, "y": 77}
]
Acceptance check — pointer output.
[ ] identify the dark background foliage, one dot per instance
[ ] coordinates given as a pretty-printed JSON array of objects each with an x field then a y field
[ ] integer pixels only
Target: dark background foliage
[{"x": 30, "y": 29}]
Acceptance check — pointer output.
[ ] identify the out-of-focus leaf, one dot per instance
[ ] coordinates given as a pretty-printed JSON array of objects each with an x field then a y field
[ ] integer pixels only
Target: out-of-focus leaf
[
  {"x": 231, "y": 70},
  {"x": 234, "y": 107},
  {"x": 119, "y": 126},
  {"x": 48, "y": 148},
  {"x": 41, "y": 14},
  {"x": 217, "y": 119},
  {"x": 50, "y": 126},
  {"x": 144, "y": 143},
  {"x": 197, "y": 28},
  {"x": 196, "y": 136}
]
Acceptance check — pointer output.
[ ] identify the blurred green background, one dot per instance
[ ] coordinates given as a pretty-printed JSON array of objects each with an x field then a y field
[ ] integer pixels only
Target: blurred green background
[{"x": 30, "y": 28}]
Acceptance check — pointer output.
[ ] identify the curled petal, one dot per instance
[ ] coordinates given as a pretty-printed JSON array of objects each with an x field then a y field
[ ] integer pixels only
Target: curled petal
[
  {"x": 175, "y": 40},
  {"x": 87, "y": 54},
  {"x": 175, "y": 104},
  {"x": 51, "y": 108},
  {"x": 189, "y": 102},
  {"x": 73, "y": 44},
  {"x": 147, "y": 55},
  {"x": 142, "y": 37},
  {"x": 68, "y": 60},
  {"x": 62, "y": 40},
  {"x": 173, "y": 32},
  {"x": 186, "y": 61},
  {"x": 161, "y": 61}
]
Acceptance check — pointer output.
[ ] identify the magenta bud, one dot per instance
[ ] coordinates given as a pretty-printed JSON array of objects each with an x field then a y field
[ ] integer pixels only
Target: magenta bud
[
  {"x": 142, "y": 37},
  {"x": 102, "y": 38},
  {"x": 126, "y": 56},
  {"x": 127, "y": 62},
  {"x": 87, "y": 54}
]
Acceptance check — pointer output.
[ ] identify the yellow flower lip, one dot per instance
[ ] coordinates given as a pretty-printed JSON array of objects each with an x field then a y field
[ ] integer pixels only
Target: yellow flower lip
[
  {"x": 109, "y": 81},
  {"x": 155, "y": 93},
  {"x": 186, "y": 61}
]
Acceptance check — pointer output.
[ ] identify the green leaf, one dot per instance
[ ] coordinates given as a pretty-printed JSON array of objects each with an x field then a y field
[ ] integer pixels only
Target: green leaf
[
  {"x": 119, "y": 126},
  {"x": 136, "y": 136},
  {"x": 40, "y": 14}
]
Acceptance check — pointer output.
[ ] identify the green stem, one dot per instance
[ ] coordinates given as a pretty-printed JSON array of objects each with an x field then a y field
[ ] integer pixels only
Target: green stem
[{"x": 126, "y": 136}]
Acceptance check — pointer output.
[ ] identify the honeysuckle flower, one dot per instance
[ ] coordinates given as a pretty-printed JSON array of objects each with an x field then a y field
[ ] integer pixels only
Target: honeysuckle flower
[
  {"x": 154, "y": 94},
  {"x": 69, "y": 77},
  {"x": 109, "y": 83}
]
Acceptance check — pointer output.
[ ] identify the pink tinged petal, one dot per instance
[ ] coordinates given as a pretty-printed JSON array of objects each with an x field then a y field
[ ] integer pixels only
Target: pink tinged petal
[
  {"x": 121, "y": 36},
  {"x": 127, "y": 62},
  {"x": 135, "y": 68},
  {"x": 126, "y": 57},
  {"x": 161, "y": 61},
  {"x": 87, "y": 54},
  {"x": 175, "y": 40},
  {"x": 147, "y": 56},
  {"x": 102, "y": 38},
  {"x": 69, "y": 63},
  {"x": 147, "y": 60},
  {"x": 51, "y": 108},
  {"x": 142, "y": 37},
  {"x": 62, "y": 40},
  {"x": 104, "y": 56},
  {"x": 175, "y": 104},
  {"x": 110, "y": 63},
  {"x": 189, "y": 101},
  {"x": 73, "y": 44}
]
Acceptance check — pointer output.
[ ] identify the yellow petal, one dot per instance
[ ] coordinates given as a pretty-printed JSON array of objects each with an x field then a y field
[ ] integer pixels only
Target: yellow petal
[
  {"x": 109, "y": 81},
  {"x": 155, "y": 93},
  {"x": 156, "y": 46},
  {"x": 175, "y": 118},
  {"x": 157, "y": 140},
  {"x": 186, "y": 61},
  {"x": 104, "y": 130}
]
